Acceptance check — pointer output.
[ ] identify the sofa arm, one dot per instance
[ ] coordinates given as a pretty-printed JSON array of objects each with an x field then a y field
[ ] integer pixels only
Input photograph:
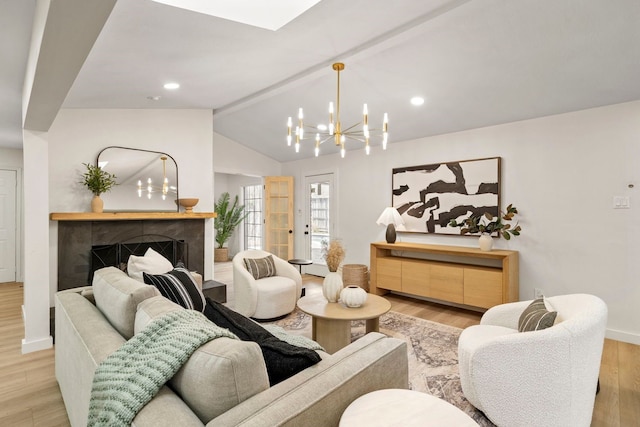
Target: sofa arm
[{"x": 323, "y": 391}]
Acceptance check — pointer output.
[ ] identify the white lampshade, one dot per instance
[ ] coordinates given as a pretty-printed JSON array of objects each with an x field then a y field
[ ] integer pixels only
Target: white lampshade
[{"x": 390, "y": 216}]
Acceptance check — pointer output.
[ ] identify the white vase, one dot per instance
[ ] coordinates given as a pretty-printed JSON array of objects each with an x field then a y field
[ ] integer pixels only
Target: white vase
[
  {"x": 486, "y": 242},
  {"x": 332, "y": 286},
  {"x": 353, "y": 296}
]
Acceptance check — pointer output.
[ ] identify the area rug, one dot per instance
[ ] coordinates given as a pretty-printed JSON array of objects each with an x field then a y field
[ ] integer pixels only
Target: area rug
[{"x": 432, "y": 350}]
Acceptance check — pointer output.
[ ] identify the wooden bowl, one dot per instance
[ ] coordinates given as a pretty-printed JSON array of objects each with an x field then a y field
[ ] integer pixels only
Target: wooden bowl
[{"x": 188, "y": 204}]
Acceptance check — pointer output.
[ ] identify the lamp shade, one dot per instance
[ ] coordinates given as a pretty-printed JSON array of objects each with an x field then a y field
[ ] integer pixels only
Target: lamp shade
[{"x": 391, "y": 218}]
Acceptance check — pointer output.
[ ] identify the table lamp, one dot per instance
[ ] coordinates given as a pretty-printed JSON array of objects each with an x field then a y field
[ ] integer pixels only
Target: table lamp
[{"x": 391, "y": 218}]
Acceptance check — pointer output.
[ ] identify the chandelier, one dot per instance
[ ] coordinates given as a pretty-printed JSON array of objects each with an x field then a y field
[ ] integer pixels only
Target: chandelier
[{"x": 358, "y": 132}]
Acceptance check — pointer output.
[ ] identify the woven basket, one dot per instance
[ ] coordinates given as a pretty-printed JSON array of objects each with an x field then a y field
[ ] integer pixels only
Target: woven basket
[{"x": 356, "y": 274}]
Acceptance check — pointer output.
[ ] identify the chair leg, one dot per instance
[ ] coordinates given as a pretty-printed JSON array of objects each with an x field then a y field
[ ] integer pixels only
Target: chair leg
[{"x": 598, "y": 387}]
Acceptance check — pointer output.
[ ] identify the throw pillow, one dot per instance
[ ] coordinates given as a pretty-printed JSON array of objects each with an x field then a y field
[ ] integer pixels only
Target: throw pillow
[
  {"x": 282, "y": 359},
  {"x": 152, "y": 262},
  {"x": 261, "y": 267},
  {"x": 178, "y": 286},
  {"x": 536, "y": 317}
]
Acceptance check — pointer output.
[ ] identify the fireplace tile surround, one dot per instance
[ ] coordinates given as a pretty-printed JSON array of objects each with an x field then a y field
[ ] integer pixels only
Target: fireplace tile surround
[{"x": 78, "y": 232}]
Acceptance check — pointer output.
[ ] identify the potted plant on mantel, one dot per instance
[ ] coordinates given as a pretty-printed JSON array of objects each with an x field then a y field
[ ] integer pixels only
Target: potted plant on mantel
[
  {"x": 227, "y": 219},
  {"x": 98, "y": 181},
  {"x": 498, "y": 224}
]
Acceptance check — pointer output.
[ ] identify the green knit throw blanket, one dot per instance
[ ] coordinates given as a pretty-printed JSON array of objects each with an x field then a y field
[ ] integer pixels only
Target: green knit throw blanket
[{"x": 129, "y": 378}]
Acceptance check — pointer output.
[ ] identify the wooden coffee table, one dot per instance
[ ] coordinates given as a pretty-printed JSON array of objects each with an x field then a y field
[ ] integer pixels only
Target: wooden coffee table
[{"x": 331, "y": 321}]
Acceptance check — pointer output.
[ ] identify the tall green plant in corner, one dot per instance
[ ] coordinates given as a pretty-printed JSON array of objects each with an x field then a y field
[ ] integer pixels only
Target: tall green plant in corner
[{"x": 229, "y": 216}]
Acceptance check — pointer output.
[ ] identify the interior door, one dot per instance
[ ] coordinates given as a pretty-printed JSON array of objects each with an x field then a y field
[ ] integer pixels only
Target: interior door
[
  {"x": 7, "y": 225},
  {"x": 278, "y": 196},
  {"x": 320, "y": 220}
]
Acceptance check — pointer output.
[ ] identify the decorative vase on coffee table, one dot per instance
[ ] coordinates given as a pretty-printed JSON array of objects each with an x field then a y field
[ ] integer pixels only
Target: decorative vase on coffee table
[
  {"x": 332, "y": 286},
  {"x": 486, "y": 242},
  {"x": 353, "y": 296}
]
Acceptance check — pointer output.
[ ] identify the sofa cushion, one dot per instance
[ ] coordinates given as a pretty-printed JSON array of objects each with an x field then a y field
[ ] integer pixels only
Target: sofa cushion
[
  {"x": 261, "y": 267},
  {"x": 536, "y": 317},
  {"x": 152, "y": 262},
  {"x": 178, "y": 286},
  {"x": 219, "y": 375},
  {"x": 117, "y": 296},
  {"x": 282, "y": 359}
]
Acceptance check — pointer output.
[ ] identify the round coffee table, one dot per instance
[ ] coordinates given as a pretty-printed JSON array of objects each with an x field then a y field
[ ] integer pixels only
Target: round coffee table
[
  {"x": 406, "y": 408},
  {"x": 331, "y": 321}
]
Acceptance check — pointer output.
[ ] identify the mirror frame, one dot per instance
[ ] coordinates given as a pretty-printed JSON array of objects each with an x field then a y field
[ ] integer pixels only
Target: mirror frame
[{"x": 154, "y": 152}]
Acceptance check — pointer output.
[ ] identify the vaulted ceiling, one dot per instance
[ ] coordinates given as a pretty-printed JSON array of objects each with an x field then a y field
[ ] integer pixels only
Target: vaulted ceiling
[{"x": 476, "y": 63}]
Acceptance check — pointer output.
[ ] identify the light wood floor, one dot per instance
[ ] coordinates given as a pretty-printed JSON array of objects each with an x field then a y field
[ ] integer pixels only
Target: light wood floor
[{"x": 29, "y": 394}]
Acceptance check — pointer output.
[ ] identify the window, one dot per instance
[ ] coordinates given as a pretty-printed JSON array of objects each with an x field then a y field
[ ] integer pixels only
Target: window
[{"x": 253, "y": 221}]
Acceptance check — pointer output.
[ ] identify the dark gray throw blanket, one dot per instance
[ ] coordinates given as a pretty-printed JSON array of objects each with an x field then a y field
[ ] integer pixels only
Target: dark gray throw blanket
[
  {"x": 129, "y": 377},
  {"x": 283, "y": 360}
]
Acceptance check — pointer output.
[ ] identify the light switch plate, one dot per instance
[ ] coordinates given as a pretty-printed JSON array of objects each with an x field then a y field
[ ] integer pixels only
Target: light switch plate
[{"x": 621, "y": 202}]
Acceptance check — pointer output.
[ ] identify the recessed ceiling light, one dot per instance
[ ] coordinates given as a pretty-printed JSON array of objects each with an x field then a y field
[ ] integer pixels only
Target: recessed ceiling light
[
  {"x": 171, "y": 86},
  {"x": 417, "y": 100}
]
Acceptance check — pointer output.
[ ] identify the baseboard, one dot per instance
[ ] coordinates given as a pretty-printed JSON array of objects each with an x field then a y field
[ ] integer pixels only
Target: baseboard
[
  {"x": 36, "y": 345},
  {"x": 623, "y": 336}
]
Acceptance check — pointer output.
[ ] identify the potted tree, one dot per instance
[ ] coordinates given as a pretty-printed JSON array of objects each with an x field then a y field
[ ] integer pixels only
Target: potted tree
[
  {"x": 497, "y": 224},
  {"x": 98, "y": 181},
  {"x": 229, "y": 216}
]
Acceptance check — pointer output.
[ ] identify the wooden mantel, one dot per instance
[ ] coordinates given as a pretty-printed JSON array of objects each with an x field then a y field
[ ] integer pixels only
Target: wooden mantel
[{"x": 127, "y": 216}]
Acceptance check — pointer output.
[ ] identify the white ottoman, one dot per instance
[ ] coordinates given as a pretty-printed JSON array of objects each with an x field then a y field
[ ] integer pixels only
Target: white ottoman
[{"x": 403, "y": 408}]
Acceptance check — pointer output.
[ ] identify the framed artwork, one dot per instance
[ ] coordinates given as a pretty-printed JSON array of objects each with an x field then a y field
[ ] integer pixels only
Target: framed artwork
[{"x": 428, "y": 197}]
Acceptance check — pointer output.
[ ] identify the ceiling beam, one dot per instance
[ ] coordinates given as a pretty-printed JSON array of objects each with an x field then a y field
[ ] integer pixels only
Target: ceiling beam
[{"x": 64, "y": 33}]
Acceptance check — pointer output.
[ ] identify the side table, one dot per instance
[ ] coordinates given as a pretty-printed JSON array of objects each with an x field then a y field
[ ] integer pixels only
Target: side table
[
  {"x": 300, "y": 262},
  {"x": 217, "y": 291},
  {"x": 406, "y": 408}
]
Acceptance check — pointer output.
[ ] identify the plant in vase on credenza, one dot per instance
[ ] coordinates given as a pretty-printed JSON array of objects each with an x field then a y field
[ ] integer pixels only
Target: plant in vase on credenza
[
  {"x": 500, "y": 224},
  {"x": 98, "y": 181},
  {"x": 229, "y": 216}
]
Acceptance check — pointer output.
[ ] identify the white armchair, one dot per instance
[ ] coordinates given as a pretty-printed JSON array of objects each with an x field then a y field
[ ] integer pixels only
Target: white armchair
[
  {"x": 542, "y": 378},
  {"x": 269, "y": 297}
]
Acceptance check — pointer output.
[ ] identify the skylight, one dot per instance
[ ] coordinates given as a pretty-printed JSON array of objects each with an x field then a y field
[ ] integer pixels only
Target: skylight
[{"x": 271, "y": 15}]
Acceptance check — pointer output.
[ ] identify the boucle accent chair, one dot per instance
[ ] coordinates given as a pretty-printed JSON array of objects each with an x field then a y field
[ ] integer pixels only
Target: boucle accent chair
[
  {"x": 268, "y": 297},
  {"x": 539, "y": 378}
]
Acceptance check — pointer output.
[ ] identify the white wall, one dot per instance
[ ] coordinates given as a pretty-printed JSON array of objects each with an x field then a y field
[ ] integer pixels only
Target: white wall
[
  {"x": 233, "y": 158},
  {"x": 562, "y": 173},
  {"x": 78, "y": 135},
  {"x": 11, "y": 159}
]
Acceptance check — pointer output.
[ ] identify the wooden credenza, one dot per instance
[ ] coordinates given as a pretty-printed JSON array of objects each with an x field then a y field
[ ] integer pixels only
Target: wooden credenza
[{"x": 454, "y": 274}]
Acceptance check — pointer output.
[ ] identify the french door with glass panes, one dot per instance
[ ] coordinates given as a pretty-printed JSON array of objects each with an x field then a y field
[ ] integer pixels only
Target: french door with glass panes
[
  {"x": 320, "y": 220},
  {"x": 279, "y": 216}
]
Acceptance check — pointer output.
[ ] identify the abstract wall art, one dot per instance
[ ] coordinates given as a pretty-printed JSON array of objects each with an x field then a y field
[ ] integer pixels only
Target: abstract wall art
[{"x": 429, "y": 196}]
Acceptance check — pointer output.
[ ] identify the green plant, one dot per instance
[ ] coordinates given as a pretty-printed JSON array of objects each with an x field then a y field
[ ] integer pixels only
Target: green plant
[
  {"x": 98, "y": 181},
  {"x": 228, "y": 217},
  {"x": 499, "y": 224}
]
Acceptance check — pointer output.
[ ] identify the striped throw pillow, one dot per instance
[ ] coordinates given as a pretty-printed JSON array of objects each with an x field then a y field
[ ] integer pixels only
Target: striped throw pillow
[
  {"x": 178, "y": 286},
  {"x": 536, "y": 317},
  {"x": 261, "y": 267}
]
